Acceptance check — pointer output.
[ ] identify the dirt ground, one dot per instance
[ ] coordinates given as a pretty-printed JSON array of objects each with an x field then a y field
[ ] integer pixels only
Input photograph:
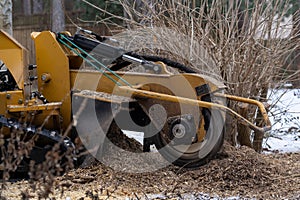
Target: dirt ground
[{"x": 240, "y": 173}]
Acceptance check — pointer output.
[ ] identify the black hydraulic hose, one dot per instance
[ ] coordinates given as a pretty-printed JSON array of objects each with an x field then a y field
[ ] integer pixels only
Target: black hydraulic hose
[{"x": 120, "y": 64}]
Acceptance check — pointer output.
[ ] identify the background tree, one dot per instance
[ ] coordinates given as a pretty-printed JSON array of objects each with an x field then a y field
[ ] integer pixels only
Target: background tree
[
  {"x": 27, "y": 7},
  {"x": 57, "y": 16},
  {"x": 6, "y": 15},
  {"x": 38, "y": 6}
]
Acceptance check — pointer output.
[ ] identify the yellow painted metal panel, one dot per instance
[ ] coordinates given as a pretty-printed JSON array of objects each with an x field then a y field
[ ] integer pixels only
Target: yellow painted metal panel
[
  {"x": 52, "y": 60},
  {"x": 14, "y": 97},
  {"x": 8, "y": 42},
  {"x": 2, "y": 103},
  {"x": 180, "y": 84},
  {"x": 15, "y": 57}
]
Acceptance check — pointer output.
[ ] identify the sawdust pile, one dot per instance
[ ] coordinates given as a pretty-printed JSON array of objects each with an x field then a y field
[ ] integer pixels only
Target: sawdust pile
[{"x": 235, "y": 172}]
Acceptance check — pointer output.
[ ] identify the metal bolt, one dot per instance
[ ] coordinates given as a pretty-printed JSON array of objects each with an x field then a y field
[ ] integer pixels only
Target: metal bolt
[
  {"x": 43, "y": 77},
  {"x": 178, "y": 130},
  {"x": 31, "y": 67},
  {"x": 53, "y": 133},
  {"x": 8, "y": 96},
  {"x": 46, "y": 77},
  {"x": 33, "y": 78}
]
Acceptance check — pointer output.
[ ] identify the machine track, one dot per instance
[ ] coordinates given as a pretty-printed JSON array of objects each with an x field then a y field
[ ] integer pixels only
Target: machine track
[{"x": 28, "y": 143}]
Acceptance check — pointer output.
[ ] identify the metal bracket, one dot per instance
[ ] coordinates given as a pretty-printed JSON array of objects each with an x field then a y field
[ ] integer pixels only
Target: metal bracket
[{"x": 202, "y": 90}]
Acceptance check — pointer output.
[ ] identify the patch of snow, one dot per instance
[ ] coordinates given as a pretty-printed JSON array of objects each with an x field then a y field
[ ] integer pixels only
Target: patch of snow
[
  {"x": 285, "y": 119},
  {"x": 283, "y": 144}
]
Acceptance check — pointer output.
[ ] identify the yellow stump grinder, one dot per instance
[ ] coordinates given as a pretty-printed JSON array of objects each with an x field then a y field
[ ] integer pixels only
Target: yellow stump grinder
[{"x": 78, "y": 88}]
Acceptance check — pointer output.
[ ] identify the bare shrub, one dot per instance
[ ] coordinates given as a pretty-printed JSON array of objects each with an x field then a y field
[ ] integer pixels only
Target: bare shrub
[{"x": 16, "y": 152}]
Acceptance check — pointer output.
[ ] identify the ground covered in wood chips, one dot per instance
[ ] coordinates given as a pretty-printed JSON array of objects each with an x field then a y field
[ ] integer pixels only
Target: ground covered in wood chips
[{"x": 234, "y": 174}]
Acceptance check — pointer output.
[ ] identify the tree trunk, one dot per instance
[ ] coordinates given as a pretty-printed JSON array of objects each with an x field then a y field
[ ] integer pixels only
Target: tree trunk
[
  {"x": 230, "y": 130},
  {"x": 58, "y": 16},
  {"x": 258, "y": 137},
  {"x": 6, "y": 16},
  {"x": 27, "y": 7},
  {"x": 244, "y": 132},
  {"x": 38, "y": 6}
]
